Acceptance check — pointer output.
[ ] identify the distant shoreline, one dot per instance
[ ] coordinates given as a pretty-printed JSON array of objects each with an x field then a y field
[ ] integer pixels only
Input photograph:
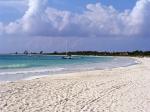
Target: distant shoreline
[{"x": 87, "y": 53}]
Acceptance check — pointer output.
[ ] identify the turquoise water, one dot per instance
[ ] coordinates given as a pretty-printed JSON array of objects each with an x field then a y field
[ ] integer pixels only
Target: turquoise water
[
  {"x": 22, "y": 61},
  {"x": 17, "y": 67}
]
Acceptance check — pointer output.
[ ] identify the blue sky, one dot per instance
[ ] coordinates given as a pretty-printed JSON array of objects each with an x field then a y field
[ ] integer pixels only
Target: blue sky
[
  {"x": 9, "y": 13},
  {"x": 113, "y": 25},
  {"x": 79, "y": 5}
]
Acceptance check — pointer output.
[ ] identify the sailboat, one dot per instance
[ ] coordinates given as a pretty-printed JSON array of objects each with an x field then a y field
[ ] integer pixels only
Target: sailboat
[{"x": 67, "y": 56}]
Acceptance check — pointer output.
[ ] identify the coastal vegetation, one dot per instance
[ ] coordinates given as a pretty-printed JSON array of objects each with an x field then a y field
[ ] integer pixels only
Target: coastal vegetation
[
  {"x": 95, "y": 53},
  {"x": 105, "y": 53}
]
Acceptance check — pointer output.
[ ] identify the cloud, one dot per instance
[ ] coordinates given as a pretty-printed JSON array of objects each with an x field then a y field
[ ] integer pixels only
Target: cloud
[
  {"x": 138, "y": 19},
  {"x": 96, "y": 21}
]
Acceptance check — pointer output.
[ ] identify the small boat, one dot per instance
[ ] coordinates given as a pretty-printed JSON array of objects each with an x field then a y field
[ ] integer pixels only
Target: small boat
[{"x": 67, "y": 56}]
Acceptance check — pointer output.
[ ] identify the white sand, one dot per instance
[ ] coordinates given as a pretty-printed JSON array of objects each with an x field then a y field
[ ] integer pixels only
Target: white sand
[{"x": 124, "y": 89}]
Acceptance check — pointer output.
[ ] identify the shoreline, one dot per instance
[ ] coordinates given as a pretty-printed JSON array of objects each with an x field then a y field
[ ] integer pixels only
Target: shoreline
[
  {"x": 63, "y": 71},
  {"x": 80, "y": 71},
  {"x": 71, "y": 73},
  {"x": 123, "y": 89}
]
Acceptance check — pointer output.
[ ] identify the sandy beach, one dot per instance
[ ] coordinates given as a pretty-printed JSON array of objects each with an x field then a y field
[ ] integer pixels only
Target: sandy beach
[{"x": 124, "y": 89}]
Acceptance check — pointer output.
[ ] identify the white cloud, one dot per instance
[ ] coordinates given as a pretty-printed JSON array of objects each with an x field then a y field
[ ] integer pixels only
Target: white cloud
[
  {"x": 96, "y": 21},
  {"x": 58, "y": 19},
  {"x": 101, "y": 20},
  {"x": 30, "y": 14},
  {"x": 138, "y": 18},
  {"x": 34, "y": 6}
]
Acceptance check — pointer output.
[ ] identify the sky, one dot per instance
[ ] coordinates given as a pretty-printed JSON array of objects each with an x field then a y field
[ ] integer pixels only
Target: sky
[{"x": 99, "y": 25}]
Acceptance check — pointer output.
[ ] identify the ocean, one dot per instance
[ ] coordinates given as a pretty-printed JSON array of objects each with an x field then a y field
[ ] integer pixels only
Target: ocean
[{"x": 19, "y": 67}]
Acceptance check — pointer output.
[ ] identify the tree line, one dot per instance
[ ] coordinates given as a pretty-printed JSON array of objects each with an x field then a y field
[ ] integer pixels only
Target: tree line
[
  {"x": 105, "y": 53},
  {"x": 95, "y": 53}
]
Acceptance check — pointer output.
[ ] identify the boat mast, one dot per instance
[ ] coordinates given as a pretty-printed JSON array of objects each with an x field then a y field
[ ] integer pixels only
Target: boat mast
[{"x": 66, "y": 48}]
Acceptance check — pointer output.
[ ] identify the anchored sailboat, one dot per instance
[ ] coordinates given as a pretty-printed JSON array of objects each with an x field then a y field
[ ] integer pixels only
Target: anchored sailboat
[{"x": 67, "y": 56}]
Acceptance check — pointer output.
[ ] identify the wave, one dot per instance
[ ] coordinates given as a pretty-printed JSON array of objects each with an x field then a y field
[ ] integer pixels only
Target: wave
[
  {"x": 31, "y": 71},
  {"x": 14, "y": 66}
]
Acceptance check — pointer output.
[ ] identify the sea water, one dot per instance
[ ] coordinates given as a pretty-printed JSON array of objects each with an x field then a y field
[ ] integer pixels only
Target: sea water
[{"x": 18, "y": 67}]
